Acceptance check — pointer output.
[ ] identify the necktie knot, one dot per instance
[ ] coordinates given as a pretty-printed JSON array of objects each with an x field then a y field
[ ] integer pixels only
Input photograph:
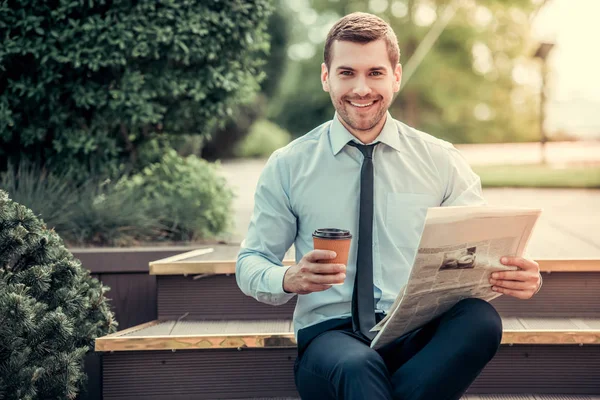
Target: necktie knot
[{"x": 365, "y": 149}]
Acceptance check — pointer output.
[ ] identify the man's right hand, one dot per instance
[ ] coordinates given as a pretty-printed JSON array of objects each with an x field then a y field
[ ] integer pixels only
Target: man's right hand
[{"x": 310, "y": 276}]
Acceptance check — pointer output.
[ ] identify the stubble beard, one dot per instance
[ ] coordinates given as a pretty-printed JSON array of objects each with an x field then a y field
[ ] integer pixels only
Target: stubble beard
[{"x": 362, "y": 125}]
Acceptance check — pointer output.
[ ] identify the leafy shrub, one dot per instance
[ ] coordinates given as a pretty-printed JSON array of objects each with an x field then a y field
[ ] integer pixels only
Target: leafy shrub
[
  {"x": 85, "y": 84},
  {"x": 173, "y": 199},
  {"x": 50, "y": 307},
  {"x": 263, "y": 139},
  {"x": 51, "y": 197},
  {"x": 88, "y": 213},
  {"x": 185, "y": 195}
]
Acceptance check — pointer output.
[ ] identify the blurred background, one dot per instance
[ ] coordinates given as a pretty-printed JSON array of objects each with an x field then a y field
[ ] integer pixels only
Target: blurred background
[{"x": 116, "y": 120}]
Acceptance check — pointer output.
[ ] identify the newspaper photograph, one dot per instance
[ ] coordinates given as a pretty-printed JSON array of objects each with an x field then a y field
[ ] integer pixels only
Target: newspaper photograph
[{"x": 460, "y": 247}]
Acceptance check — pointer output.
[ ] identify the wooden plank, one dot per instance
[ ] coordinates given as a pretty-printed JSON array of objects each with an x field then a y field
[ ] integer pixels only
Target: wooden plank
[
  {"x": 579, "y": 337},
  {"x": 220, "y": 267},
  {"x": 133, "y": 329},
  {"x": 565, "y": 265},
  {"x": 139, "y": 343},
  {"x": 225, "y": 267},
  {"x": 183, "y": 256},
  {"x": 251, "y": 334}
]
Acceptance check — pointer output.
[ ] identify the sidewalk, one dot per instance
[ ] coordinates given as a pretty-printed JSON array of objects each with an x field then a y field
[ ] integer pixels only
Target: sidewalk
[{"x": 568, "y": 227}]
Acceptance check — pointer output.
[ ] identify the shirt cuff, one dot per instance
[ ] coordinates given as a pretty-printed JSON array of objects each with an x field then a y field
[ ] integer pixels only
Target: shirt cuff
[{"x": 276, "y": 275}]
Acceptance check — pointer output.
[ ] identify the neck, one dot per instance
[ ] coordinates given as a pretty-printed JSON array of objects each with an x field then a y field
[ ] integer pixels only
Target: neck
[{"x": 366, "y": 136}]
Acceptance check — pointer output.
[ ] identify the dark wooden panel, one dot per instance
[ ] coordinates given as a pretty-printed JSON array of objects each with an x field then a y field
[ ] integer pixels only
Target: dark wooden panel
[
  {"x": 542, "y": 369},
  {"x": 93, "y": 369},
  {"x": 213, "y": 297},
  {"x": 218, "y": 297},
  {"x": 123, "y": 260},
  {"x": 563, "y": 294},
  {"x": 133, "y": 298},
  {"x": 225, "y": 374},
  {"x": 199, "y": 374}
]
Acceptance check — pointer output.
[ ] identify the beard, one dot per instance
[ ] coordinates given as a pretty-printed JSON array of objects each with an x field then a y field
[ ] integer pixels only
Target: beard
[{"x": 357, "y": 119}]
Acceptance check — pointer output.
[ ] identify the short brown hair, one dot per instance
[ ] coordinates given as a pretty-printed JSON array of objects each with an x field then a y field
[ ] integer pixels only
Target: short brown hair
[{"x": 363, "y": 28}]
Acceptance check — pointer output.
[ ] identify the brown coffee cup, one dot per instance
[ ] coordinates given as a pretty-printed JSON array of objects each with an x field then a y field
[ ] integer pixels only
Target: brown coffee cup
[{"x": 337, "y": 240}]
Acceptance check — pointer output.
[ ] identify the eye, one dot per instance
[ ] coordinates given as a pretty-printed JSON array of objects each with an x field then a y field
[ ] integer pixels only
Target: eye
[
  {"x": 376, "y": 73},
  {"x": 346, "y": 73}
]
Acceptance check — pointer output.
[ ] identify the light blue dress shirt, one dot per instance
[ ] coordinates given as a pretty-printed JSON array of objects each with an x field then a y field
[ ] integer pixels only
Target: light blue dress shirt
[{"x": 314, "y": 182}]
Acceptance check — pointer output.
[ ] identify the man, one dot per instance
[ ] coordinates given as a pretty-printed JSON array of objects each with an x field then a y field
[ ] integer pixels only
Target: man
[{"x": 374, "y": 176}]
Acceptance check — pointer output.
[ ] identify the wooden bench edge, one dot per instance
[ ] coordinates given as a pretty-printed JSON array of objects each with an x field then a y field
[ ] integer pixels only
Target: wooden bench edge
[
  {"x": 227, "y": 267},
  {"x": 116, "y": 342}
]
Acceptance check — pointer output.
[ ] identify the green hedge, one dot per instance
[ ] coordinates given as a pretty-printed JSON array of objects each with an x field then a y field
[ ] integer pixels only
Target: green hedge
[
  {"x": 84, "y": 84},
  {"x": 175, "y": 199}
]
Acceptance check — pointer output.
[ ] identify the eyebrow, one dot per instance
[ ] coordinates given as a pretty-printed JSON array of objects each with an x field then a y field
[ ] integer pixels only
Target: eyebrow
[{"x": 343, "y": 67}]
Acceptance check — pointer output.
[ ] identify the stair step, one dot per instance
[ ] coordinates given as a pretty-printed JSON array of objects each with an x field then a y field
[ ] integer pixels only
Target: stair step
[
  {"x": 268, "y": 372},
  {"x": 218, "y": 296},
  {"x": 485, "y": 397},
  {"x": 220, "y": 334},
  {"x": 202, "y": 287}
]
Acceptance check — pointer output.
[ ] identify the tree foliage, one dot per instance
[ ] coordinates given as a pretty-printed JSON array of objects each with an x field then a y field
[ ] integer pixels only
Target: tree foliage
[
  {"x": 84, "y": 84},
  {"x": 463, "y": 91}
]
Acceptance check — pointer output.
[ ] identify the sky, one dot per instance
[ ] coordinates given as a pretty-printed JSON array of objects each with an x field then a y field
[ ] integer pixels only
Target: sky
[{"x": 574, "y": 84}]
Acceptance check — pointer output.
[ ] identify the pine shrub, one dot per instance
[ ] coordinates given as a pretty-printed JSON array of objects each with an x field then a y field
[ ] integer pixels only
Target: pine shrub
[{"x": 51, "y": 309}]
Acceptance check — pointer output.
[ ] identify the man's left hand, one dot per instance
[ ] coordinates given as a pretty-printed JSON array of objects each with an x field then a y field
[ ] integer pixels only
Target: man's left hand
[{"x": 522, "y": 283}]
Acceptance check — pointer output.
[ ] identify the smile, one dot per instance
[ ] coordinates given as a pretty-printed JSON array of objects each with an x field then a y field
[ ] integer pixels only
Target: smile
[{"x": 362, "y": 105}]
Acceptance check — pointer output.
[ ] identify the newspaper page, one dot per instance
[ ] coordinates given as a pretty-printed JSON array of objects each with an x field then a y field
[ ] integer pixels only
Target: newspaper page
[{"x": 459, "y": 249}]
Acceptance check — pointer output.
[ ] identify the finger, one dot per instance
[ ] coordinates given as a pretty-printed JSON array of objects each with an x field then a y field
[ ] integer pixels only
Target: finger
[
  {"x": 326, "y": 268},
  {"x": 328, "y": 279},
  {"x": 522, "y": 276},
  {"x": 514, "y": 285},
  {"x": 519, "y": 294},
  {"x": 317, "y": 255},
  {"x": 523, "y": 263}
]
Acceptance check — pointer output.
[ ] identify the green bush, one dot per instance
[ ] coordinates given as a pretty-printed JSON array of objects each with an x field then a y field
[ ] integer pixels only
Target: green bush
[
  {"x": 263, "y": 139},
  {"x": 50, "y": 307},
  {"x": 84, "y": 84},
  {"x": 88, "y": 213},
  {"x": 185, "y": 195},
  {"x": 174, "y": 199},
  {"x": 52, "y": 198}
]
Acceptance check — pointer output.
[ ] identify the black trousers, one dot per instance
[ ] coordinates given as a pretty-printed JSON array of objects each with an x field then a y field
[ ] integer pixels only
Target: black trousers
[{"x": 436, "y": 362}]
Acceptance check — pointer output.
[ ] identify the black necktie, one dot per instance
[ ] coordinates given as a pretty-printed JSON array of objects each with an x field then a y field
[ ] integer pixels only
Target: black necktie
[{"x": 363, "y": 302}]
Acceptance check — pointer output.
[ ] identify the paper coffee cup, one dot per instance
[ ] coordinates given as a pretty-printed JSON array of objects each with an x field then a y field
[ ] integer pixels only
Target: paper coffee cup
[{"x": 337, "y": 240}]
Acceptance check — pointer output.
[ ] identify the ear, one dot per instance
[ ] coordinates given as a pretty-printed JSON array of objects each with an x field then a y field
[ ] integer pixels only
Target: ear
[
  {"x": 324, "y": 77},
  {"x": 397, "y": 77}
]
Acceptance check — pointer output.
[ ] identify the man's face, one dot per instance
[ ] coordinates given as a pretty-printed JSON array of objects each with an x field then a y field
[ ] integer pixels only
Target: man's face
[{"x": 361, "y": 83}]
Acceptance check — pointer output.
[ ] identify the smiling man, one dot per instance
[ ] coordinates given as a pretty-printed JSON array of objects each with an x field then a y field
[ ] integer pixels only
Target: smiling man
[{"x": 374, "y": 176}]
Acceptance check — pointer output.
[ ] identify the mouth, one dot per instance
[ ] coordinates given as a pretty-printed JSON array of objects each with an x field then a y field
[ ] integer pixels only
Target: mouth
[{"x": 362, "y": 105}]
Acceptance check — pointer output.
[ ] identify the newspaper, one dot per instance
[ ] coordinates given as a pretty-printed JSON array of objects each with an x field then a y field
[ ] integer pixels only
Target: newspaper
[{"x": 459, "y": 249}]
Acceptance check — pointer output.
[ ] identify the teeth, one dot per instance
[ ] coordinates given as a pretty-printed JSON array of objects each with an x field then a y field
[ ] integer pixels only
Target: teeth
[{"x": 361, "y": 105}]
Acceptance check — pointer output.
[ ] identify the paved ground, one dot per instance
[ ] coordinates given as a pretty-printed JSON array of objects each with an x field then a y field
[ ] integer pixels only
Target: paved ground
[
  {"x": 569, "y": 226},
  {"x": 584, "y": 152}
]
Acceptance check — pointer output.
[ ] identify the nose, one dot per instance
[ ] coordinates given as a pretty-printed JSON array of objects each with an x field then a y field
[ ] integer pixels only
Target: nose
[{"x": 361, "y": 88}]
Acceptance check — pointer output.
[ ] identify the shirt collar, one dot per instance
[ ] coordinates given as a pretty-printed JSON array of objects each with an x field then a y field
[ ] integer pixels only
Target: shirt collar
[{"x": 339, "y": 135}]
